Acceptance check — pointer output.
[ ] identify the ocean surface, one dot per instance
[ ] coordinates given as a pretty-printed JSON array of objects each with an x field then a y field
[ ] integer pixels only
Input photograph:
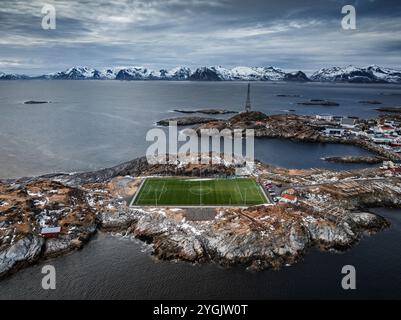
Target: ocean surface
[{"x": 95, "y": 124}]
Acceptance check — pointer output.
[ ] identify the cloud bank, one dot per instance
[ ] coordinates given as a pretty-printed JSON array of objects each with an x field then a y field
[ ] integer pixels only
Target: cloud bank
[{"x": 165, "y": 33}]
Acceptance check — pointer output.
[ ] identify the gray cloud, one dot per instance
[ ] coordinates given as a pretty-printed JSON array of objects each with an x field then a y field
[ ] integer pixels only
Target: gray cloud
[{"x": 166, "y": 33}]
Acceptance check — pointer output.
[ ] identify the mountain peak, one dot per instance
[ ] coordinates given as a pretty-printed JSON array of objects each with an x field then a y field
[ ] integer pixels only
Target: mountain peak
[{"x": 350, "y": 73}]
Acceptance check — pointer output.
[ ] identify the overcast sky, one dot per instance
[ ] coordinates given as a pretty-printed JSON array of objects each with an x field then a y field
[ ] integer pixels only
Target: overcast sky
[{"x": 292, "y": 35}]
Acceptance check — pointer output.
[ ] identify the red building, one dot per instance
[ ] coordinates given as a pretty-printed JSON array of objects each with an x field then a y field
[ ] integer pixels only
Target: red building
[{"x": 288, "y": 198}]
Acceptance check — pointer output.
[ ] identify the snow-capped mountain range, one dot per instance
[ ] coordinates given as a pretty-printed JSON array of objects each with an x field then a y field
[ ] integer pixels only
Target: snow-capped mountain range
[
  {"x": 178, "y": 73},
  {"x": 370, "y": 74}
]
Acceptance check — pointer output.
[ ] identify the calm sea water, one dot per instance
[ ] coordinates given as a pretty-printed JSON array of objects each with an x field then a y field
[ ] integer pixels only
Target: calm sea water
[
  {"x": 112, "y": 268},
  {"x": 95, "y": 124}
]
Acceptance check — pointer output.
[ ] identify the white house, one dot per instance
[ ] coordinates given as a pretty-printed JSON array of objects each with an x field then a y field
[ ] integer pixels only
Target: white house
[
  {"x": 325, "y": 117},
  {"x": 348, "y": 123},
  {"x": 336, "y": 132}
]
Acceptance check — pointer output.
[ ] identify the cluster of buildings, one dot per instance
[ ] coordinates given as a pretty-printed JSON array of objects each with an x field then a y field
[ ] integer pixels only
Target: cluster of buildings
[
  {"x": 393, "y": 167},
  {"x": 276, "y": 196},
  {"x": 386, "y": 133}
]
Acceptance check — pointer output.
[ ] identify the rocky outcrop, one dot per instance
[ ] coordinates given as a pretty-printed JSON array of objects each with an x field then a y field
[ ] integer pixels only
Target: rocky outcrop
[
  {"x": 57, "y": 247},
  {"x": 390, "y": 109},
  {"x": 27, "y": 207},
  {"x": 261, "y": 237},
  {"x": 184, "y": 121},
  {"x": 319, "y": 102},
  {"x": 355, "y": 159},
  {"x": 289, "y": 95},
  {"x": 206, "y": 111},
  {"x": 370, "y": 102},
  {"x": 35, "y": 102},
  {"x": 369, "y": 221},
  {"x": 22, "y": 253},
  {"x": 330, "y": 214},
  {"x": 205, "y": 74},
  {"x": 296, "y": 76},
  {"x": 295, "y": 127}
]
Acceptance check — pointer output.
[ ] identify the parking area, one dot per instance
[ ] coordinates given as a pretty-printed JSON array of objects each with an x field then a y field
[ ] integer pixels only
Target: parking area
[{"x": 272, "y": 190}]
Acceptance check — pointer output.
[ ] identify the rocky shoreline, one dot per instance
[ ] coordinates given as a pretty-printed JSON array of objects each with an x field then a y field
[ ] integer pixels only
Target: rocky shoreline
[
  {"x": 329, "y": 214},
  {"x": 294, "y": 127},
  {"x": 36, "y": 102},
  {"x": 185, "y": 121},
  {"x": 390, "y": 109},
  {"x": 355, "y": 159},
  {"x": 369, "y": 102},
  {"x": 318, "y": 102},
  {"x": 206, "y": 111},
  {"x": 330, "y": 211}
]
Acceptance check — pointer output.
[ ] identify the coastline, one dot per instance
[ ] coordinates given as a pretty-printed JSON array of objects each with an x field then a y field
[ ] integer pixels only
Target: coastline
[
  {"x": 293, "y": 127},
  {"x": 257, "y": 237}
]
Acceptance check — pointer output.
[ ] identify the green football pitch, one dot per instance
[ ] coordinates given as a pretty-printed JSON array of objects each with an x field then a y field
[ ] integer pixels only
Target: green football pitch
[{"x": 199, "y": 192}]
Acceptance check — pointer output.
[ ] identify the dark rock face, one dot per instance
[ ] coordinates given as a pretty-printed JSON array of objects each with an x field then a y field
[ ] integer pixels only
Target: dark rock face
[
  {"x": 257, "y": 238},
  {"x": 296, "y": 76},
  {"x": 248, "y": 116},
  {"x": 370, "y": 102},
  {"x": 35, "y": 102},
  {"x": 185, "y": 121},
  {"x": 125, "y": 75},
  {"x": 97, "y": 75},
  {"x": 205, "y": 74},
  {"x": 24, "y": 252}
]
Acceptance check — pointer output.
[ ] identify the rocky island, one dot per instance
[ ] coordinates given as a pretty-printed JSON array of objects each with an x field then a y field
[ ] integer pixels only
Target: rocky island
[
  {"x": 314, "y": 208},
  {"x": 327, "y": 209},
  {"x": 355, "y": 159},
  {"x": 185, "y": 121},
  {"x": 35, "y": 102},
  {"x": 319, "y": 102},
  {"x": 206, "y": 111},
  {"x": 313, "y": 129},
  {"x": 370, "y": 102},
  {"x": 390, "y": 109},
  {"x": 288, "y": 95}
]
